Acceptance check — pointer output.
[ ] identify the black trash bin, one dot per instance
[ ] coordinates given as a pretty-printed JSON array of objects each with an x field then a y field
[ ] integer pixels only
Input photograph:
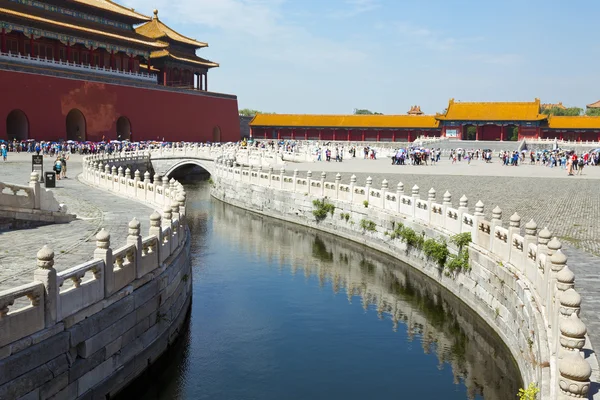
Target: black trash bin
[{"x": 50, "y": 178}]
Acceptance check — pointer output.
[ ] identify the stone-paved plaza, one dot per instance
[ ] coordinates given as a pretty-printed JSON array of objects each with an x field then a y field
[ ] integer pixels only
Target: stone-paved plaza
[{"x": 72, "y": 243}]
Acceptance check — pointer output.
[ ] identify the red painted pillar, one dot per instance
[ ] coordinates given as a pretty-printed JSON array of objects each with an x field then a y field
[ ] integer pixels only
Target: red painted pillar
[
  {"x": 112, "y": 59},
  {"x": 130, "y": 63},
  {"x": 334, "y": 135},
  {"x": 293, "y": 134},
  {"x": 92, "y": 61},
  {"x": 320, "y": 134},
  {"x": 164, "y": 71},
  {"x": 31, "y": 45},
  {"x": 362, "y": 135},
  {"x": 410, "y": 135},
  {"x": 206, "y": 82},
  {"x": 68, "y": 52},
  {"x": 305, "y": 134},
  {"x": 477, "y": 132},
  {"x": 56, "y": 51},
  {"x": 503, "y": 133},
  {"x": 150, "y": 66},
  {"x": 278, "y": 135},
  {"x": 378, "y": 135},
  {"x": 3, "y": 45},
  {"x": 348, "y": 133},
  {"x": 393, "y": 136},
  {"x": 265, "y": 132}
]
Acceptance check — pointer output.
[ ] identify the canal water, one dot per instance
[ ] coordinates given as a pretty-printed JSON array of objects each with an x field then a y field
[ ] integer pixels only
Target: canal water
[{"x": 285, "y": 312}]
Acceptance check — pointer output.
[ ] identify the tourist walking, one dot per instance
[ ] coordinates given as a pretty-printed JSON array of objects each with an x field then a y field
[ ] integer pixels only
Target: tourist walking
[{"x": 4, "y": 151}]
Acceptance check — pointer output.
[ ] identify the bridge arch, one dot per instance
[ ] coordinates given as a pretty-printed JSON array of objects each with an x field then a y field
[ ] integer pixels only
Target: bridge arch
[{"x": 205, "y": 165}]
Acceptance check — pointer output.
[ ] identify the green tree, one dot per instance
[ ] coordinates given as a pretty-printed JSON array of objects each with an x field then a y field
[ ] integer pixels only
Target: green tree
[
  {"x": 248, "y": 112},
  {"x": 570, "y": 112},
  {"x": 593, "y": 112},
  {"x": 359, "y": 111}
]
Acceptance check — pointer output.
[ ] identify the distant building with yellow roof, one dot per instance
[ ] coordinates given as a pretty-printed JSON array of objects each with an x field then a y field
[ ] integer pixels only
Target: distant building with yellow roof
[{"x": 488, "y": 120}]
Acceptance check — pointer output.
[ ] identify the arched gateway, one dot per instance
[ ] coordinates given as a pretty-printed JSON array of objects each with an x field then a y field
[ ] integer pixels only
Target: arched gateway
[
  {"x": 76, "y": 126},
  {"x": 17, "y": 126},
  {"x": 123, "y": 128}
]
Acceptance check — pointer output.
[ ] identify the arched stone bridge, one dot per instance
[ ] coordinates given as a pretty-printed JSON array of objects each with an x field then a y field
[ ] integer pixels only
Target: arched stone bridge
[{"x": 165, "y": 161}]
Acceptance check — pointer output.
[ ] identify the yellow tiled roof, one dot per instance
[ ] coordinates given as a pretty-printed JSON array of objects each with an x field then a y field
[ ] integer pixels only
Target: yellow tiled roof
[
  {"x": 594, "y": 105},
  {"x": 108, "y": 5},
  {"x": 346, "y": 121},
  {"x": 580, "y": 122},
  {"x": 59, "y": 23},
  {"x": 177, "y": 55},
  {"x": 156, "y": 30},
  {"x": 493, "y": 111}
]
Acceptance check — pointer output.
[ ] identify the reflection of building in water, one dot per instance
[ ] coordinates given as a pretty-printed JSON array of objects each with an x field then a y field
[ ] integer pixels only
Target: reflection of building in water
[{"x": 444, "y": 325}]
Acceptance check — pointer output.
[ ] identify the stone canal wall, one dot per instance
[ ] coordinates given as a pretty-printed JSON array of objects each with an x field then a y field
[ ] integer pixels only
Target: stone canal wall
[
  {"x": 518, "y": 283},
  {"x": 88, "y": 331}
]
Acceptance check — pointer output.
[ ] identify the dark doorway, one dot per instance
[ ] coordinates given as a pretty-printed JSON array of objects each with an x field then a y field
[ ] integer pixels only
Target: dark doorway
[
  {"x": 469, "y": 132},
  {"x": 512, "y": 133},
  {"x": 216, "y": 134},
  {"x": 17, "y": 126},
  {"x": 76, "y": 127},
  {"x": 123, "y": 128}
]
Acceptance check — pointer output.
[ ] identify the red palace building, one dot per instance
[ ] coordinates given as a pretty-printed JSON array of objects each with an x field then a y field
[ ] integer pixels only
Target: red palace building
[
  {"x": 461, "y": 120},
  {"x": 80, "y": 70}
]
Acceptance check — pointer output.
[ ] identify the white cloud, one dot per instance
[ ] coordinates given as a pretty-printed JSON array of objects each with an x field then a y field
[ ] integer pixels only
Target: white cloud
[
  {"x": 260, "y": 25},
  {"x": 352, "y": 8}
]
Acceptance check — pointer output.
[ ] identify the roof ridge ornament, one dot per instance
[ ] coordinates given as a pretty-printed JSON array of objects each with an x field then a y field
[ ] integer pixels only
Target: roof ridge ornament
[{"x": 155, "y": 13}]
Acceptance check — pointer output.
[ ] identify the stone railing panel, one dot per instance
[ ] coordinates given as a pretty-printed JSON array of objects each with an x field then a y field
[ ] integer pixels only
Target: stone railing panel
[
  {"x": 149, "y": 259},
  {"x": 123, "y": 270},
  {"x": 16, "y": 196},
  {"x": 17, "y": 323},
  {"x": 86, "y": 287}
]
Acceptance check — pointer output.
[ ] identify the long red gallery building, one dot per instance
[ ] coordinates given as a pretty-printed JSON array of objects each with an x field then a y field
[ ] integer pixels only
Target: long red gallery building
[
  {"x": 93, "y": 70},
  {"x": 461, "y": 120}
]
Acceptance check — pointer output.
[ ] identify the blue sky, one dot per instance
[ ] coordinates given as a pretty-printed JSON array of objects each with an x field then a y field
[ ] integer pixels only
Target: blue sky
[{"x": 331, "y": 56}]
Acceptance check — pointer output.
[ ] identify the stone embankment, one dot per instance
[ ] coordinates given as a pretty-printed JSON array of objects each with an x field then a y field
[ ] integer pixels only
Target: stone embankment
[
  {"x": 518, "y": 283},
  {"x": 87, "y": 331}
]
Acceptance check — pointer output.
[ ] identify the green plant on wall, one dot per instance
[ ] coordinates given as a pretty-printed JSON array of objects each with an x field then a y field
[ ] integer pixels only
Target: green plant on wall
[
  {"x": 459, "y": 262},
  {"x": 368, "y": 225},
  {"x": 530, "y": 393},
  {"x": 322, "y": 208},
  {"x": 436, "y": 250},
  {"x": 366, "y": 203}
]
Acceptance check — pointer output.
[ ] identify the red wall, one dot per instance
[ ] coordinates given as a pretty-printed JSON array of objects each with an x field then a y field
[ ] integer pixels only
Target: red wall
[{"x": 153, "y": 114}]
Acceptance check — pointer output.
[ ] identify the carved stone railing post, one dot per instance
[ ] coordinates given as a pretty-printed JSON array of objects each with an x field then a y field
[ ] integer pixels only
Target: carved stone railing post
[
  {"x": 338, "y": 179},
  {"x": 107, "y": 178},
  {"x": 127, "y": 176},
  {"x": 270, "y": 184},
  {"x": 574, "y": 376},
  {"x": 295, "y": 178},
  {"x": 281, "y": 177},
  {"x": 34, "y": 184},
  {"x": 309, "y": 181},
  {"x": 167, "y": 222},
  {"x": 557, "y": 263},
  {"x": 368, "y": 185},
  {"x": 496, "y": 221},
  {"x": 156, "y": 230},
  {"x": 323, "y": 177},
  {"x": 399, "y": 192},
  {"x": 46, "y": 274},
  {"x": 165, "y": 190},
  {"x": 352, "y": 186},
  {"x": 384, "y": 191},
  {"x": 530, "y": 238},
  {"x": 181, "y": 199},
  {"x": 104, "y": 252},
  {"x": 134, "y": 237}
]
